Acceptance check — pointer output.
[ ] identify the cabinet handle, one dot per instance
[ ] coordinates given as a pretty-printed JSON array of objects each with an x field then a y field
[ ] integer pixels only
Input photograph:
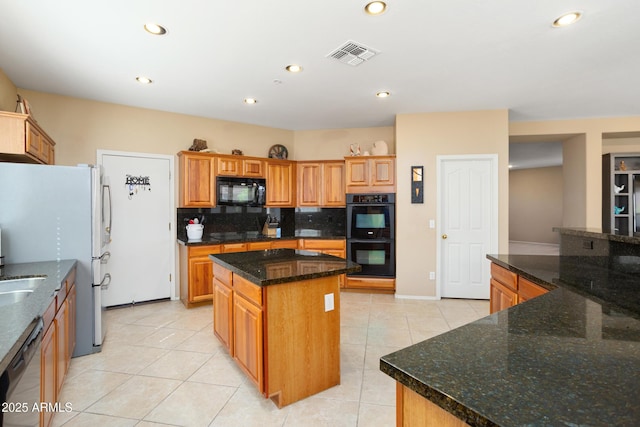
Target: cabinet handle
[{"x": 444, "y": 236}]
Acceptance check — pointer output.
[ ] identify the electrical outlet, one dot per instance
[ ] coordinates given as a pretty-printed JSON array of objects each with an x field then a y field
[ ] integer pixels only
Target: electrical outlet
[
  {"x": 328, "y": 302},
  {"x": 432, "y": 275}
]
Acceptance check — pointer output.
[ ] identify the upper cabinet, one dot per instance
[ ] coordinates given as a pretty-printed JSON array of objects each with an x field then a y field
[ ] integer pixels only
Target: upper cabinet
[
  {"x": 321, "y": 184},
  {"x": 240, "y": 166},
  {"x": 22, "y": 140},
  {"x": 371, "y": 174},
  {"x": 281, "y": 183},
  {"x": 197, "y": 179}
]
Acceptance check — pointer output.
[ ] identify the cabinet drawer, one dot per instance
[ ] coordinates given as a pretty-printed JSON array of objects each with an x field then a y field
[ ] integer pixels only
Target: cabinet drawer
[
  {"x": 528, "y": 289},
  {"x": 196, "y": 251},
  {"x": 247, "y": 289},
  {"x": 504, "y": 276},
  {"x": 222, "y": 274},
  {"x": 234, "y": 247},
  {"x": 258, "y": 246},
  {"x": 323, "y": 244},
  {"x": 284, "y": 244}
]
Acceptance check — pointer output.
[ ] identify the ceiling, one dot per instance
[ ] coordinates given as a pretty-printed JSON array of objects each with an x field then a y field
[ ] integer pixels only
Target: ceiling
[{"x": 451, "y": 55}]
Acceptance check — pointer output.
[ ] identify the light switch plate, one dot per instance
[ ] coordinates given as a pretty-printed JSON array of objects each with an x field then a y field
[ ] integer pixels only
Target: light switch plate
[
  {"x": 328, "y": 302},
  {"x": 432, "y": 275},
  {"x": 432, "y": 223}
]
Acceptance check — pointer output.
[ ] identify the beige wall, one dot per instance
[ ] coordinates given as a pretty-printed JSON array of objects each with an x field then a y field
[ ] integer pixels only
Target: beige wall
[
  {"x": 333, "y": 144},
  {"x": 584, "y": 146},
  {"x": 80, "y": 127},
  {"x": 8, "y": 93},
  {"x": 535, "y": 204},
  {"x": 621, "y": 145},
  {"x": 419, "y": 139}
]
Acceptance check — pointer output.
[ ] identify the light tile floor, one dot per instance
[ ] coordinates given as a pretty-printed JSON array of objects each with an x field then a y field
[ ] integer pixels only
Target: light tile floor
[{"x": 161, "y": 365}]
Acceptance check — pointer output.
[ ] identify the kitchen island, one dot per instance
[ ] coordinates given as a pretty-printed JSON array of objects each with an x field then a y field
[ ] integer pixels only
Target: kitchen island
[
  {"x": 278, "y": 314},
  {"x": 568, "y": 357}
]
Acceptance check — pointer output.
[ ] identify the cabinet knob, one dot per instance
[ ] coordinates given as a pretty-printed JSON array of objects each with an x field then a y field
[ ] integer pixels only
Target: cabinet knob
[{"x": 444, "y": 236}]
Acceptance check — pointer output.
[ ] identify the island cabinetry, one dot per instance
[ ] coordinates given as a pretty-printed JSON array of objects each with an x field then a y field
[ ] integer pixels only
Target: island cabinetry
[
  {"x": 370, "y": 174},
  {"x": 283, "y": 336},
  {"x": 321, "y": 184},
  {"x": 196, "y": 273},
  {"x": 22, "y": 140},
  {"x": 58, "y": 343},
  {"x": 223, "y": 307},
  {"x": 239, "y": 166},
  {"x": 281, "y": 183},
  {"x": 197, "y": 179},
  {"x": 509, "y": 289},
  {"x": 414, "y": 410}
]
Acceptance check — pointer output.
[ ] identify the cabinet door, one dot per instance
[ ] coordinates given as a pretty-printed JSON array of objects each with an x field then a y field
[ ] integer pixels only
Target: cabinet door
[
  {"x": 253, "y": 168},
  {"x": 197, "y": 176},
  {"x": 501, "y": 297},
  {"x": 383, "y": 172},
  {"x": 222, "y": 310},
  {"x": 357, "y": 174},
  {"x": 229, "y": 166},
  {"x": 528, "y": 290},
  {"x": 62, "y": 346},
  {"x": 333, "y": 185},
  {"x": 34, "y": 142},
  {"x": 258, "y": 246},
  {"x": 48, "y": 382},
  {"x": 309, "y": 184},
  {"x": 200, "y": 278},
  {"x": 284, "y": 244},
  {"x": 280, "y": 184},
  {"x": 71, "y": 302},
  {"x": 247, "y": 340}
]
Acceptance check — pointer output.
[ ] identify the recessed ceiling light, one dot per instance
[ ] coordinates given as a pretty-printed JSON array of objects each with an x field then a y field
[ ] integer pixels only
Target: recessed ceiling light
[
  {"x": 144, "y": 80},
  {"x": 293, "y": 68},
  {"x": 155, "y": 29},
  {"x": 375, "y": 8},
  {"x": 567, "y": 19},
  {"x": 384, "y": 94},
  {"x": 250, "y": 101}
]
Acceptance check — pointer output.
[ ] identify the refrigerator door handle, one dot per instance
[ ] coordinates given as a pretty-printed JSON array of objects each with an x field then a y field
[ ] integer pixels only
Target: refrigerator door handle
[
  {"x": 108, "y": 202},
  {"x": 106, "y": 281},
  {"x": 104, "y": 257}
]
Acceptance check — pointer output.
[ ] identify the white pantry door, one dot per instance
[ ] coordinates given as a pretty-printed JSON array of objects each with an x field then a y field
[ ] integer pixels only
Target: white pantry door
[
  {"x": 142, "y": 242},
  {"x": 468, "y": 195}
]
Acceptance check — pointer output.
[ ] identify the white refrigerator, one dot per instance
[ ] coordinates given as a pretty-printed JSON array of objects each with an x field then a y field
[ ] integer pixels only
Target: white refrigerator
[{"x": 52, "y": 213}]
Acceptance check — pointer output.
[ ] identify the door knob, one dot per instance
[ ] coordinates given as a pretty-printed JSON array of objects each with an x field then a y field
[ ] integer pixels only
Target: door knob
[{"x": 444, "y": 236}]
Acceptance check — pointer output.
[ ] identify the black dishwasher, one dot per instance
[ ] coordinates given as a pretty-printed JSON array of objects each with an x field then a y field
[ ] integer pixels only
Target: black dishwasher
[{"x": 20, "y": 384}]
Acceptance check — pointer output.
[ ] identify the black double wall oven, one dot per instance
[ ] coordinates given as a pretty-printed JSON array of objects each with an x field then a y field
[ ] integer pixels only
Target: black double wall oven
[{"x": 371, "y": 233}]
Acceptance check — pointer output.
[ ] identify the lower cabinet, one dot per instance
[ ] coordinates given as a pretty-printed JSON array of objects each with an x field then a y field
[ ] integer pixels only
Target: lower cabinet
[
  {"x": 247, "y": 338},
  {"x": 58, "y": 343},
  {"x": 509, "y": 289},
  {"x": 196, "y": 273}
]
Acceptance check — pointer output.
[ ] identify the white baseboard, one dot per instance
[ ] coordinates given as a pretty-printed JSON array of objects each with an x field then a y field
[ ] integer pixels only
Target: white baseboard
[{"x": 418, "y": 297}]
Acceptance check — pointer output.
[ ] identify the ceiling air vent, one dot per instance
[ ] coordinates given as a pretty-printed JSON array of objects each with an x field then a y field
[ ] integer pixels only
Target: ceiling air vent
[{"x": 353, "y": 53}]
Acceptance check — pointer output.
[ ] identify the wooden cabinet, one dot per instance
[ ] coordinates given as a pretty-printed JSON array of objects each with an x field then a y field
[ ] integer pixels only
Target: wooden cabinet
[
  {"x": 197, "y": 179},
  {"x": 335, "y": 247},
  {"x": 58, "y": 343},
  {"x": 370, "y": 174},
  {"x": 239, "y": 166},
  {"x": 22, "y": 140},
  {"x": 370, "y": 284},
  {"x": 222, "y": 309},
  {"x": 509, "y": 289},
  {"x": 281, "y": 183},
  {"x": 284, "y": 244},
  {"x": 248, "y": 329},
  {"x": 234, "y": 247},
  {"x": 321, "y": 184},
  {"x": 196, "y": 273},
  {"x": 258, "y": 246}
]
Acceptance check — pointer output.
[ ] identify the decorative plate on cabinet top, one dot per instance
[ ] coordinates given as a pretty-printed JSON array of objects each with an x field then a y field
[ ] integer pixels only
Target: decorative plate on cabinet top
[{"x": 278, "y": 151}]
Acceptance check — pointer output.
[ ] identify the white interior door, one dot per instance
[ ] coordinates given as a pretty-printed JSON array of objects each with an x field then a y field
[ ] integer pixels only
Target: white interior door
[
  {"x": 142, "y": 242},
  {"x": 468, "y": 190}
]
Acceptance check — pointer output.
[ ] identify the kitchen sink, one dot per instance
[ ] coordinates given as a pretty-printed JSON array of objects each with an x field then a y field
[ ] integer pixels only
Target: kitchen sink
[
  {"x": 12, "y": 297},
  {"x": 16, "y": 290}
]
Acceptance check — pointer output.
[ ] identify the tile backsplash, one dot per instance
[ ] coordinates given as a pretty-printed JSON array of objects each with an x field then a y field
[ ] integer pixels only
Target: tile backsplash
[{"x": 242, "y": 219}]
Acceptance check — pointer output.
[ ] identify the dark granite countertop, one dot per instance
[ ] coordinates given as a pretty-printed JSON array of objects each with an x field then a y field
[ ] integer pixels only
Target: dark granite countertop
[
  {"x": 234, "y": 237},
  {"x": 271, "y": 267},
  {"x": 18, "y": 319},
  {"x": 596, "y": 233},
  {"x": 566, "y": 358}
]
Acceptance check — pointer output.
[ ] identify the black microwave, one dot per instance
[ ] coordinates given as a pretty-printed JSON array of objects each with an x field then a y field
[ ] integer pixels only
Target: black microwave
[{"x": 241, "y": 191}]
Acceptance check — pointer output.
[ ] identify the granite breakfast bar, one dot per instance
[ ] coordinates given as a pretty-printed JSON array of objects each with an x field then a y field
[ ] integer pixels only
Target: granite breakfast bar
[
  {"x": 278, "y": 314},
  {"x": 569, "y": 357}
]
